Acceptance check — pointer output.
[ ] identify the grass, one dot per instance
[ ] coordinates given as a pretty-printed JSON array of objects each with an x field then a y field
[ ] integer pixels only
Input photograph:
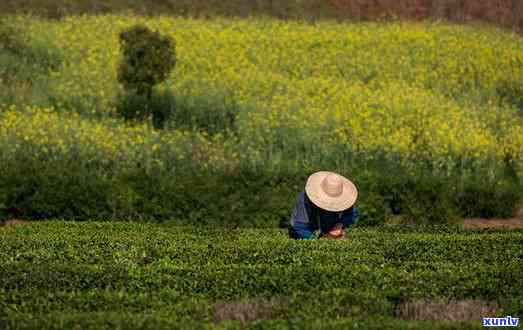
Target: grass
[{"x": 60, "y": 274}]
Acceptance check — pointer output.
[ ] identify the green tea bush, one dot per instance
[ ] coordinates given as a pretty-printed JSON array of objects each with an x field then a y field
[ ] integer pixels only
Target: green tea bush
[{"x": 60, "y": 271}]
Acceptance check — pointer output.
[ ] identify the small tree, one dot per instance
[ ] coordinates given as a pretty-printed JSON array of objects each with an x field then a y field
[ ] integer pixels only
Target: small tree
[{"x": 148, "y": 58}]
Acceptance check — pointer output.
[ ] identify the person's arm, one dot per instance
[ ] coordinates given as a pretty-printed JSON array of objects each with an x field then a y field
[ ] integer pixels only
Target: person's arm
[
  {"x": 301, "y": 227},
  {"x": 350, "y": 217},
  {"x": 300, "y": 231}
]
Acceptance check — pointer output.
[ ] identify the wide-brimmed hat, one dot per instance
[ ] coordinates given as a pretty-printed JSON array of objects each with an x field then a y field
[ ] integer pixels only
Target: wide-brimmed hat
[{"x": 331, "y": 191}]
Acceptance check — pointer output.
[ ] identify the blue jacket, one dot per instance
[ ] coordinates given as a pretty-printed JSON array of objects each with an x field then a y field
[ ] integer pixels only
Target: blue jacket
[{"x": 306, "y": 218}]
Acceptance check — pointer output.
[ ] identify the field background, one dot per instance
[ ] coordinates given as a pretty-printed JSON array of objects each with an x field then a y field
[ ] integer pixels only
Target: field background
[{"x": 425, "y": 117}]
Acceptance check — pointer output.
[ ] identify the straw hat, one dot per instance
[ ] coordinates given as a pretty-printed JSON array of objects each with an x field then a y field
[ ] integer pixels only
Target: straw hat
[{"x": 331, "y": 191}]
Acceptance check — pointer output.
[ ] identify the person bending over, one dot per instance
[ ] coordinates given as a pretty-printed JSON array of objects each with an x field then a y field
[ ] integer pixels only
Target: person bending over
[{"x": 326, "y": 205}]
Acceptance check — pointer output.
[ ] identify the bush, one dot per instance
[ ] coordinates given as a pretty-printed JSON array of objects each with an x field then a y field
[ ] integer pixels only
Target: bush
[
  {"x": 481, "y": 196},
  {"x": 148, "y": 58},
  {"x": 242, "y": 197},
  {"x": 137, "y": 107},
  {"x": 421, "y": 197}
]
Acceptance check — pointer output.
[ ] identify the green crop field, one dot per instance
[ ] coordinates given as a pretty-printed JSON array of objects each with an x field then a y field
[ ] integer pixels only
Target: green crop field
[{"x": 119, "y": 275}]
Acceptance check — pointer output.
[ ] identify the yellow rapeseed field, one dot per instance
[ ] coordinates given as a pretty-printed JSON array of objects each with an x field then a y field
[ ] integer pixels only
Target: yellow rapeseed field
[{"x": 401, "y": 88}]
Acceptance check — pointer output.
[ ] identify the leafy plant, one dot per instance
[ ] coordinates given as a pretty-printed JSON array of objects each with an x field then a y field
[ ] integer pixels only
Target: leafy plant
[{"x": 148, "y": 59}]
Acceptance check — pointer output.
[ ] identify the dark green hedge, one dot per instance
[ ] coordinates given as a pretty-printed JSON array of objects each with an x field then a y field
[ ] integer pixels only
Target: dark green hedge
[{"x": 249, "y": 197}]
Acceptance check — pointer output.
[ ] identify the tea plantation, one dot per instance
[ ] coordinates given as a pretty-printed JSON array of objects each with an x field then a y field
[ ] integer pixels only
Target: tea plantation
[{"x": 115, "y": 275}]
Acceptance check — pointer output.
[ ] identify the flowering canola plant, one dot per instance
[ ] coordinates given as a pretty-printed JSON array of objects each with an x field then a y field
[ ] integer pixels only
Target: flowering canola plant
[{"x": 399, "y": 87}]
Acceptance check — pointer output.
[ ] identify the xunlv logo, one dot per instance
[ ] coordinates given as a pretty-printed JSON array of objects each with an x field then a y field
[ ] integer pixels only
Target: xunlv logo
[{"x": 506, "y": 321}]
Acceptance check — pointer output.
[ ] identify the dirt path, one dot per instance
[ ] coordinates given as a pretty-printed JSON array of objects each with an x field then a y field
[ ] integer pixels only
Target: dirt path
[
  {"x": 493, "y": 223},
  {"x": 13, "y": 223},
  {"x": 516, "y": 222}
]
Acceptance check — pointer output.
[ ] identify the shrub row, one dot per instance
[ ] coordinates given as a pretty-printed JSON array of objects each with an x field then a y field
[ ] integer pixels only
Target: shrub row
[
  {"x": 177, "y": 275},
  {"x": 77, "y": 186}
]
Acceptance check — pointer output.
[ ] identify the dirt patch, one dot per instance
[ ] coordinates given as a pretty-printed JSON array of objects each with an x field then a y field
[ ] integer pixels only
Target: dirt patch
[
  {"x": 493, "y": 223},
  {"x": 400, "y": 220},
  {"x": 14, "y": 223},
  {"x": 246, "y": 310},
  {"x": 447, "y": 309},
  {"x": 516, "y": 222}
]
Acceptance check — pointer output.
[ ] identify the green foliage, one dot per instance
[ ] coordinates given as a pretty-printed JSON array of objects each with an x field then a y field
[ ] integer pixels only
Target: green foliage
[
  {"x": 148, "y": 58},
  {"x": 22, "y": 57},
  {"x": 212, "y": 110},
  {"x": 72, "y": 194},
  {"x": 88, "y": 186},
  {"x": 483, "y": 197},
  {"x": 420, "y": 196},
  {"x": 136, "y": 107},
  {"x": 93, "y": 275},
  {"x": 24, "y": 65}
]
